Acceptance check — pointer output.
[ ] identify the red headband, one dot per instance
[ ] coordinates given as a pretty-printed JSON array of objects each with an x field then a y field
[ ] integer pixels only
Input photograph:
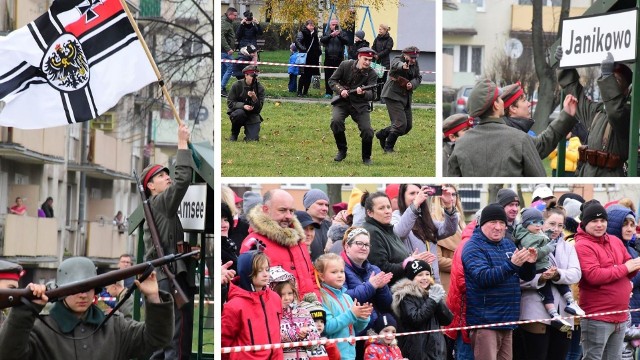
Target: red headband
[
  {"x": 150, "y": 174},
  {"x": 369, "y": 54},
  {"x": 411, "y": 53},
  {"x": 10, "y": 276},
  {"x": 463, "y": 125},
  {"x": 515, "y": 97},
  {"x": 249, "y": 72}
]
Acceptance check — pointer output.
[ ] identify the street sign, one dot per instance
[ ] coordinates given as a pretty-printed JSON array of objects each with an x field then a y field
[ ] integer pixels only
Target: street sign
[
  {"x": 192, "y": 210},
  {"x": 513, "y": 48},
  {"x": 587, "y": 40}
]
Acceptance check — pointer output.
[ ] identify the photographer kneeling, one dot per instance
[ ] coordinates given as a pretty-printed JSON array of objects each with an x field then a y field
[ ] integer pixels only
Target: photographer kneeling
[{"x": 244, "y": 104}]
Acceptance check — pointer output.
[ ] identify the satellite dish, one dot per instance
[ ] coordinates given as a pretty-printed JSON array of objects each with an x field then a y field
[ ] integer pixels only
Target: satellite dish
[{"x": 513, "y": 48}]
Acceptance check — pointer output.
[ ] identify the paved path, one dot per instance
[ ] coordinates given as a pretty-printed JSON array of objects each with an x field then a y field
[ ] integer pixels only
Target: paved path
[{"x": 326, "y": 101}]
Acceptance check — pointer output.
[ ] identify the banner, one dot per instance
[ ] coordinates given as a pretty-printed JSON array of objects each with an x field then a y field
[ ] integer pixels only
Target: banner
[{"x": 70, "y": 65}]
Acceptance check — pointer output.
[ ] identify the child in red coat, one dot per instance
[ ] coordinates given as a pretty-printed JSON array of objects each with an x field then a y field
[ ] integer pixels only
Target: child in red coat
[{"x": 383, "y": 348}]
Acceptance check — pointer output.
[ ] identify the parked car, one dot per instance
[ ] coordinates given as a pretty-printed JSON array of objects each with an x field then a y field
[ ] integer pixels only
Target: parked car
[{"x": 459, "y": 105}]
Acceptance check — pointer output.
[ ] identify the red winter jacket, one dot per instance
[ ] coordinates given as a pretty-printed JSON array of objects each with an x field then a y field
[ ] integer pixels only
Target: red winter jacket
[
  {"x": 284, "y": 247},
  {"x": 468, "y": 230},
  {"x": 456, "y": 298},
  {"x": 605, "y": 284},
  {"x": 251, "y": 318}
]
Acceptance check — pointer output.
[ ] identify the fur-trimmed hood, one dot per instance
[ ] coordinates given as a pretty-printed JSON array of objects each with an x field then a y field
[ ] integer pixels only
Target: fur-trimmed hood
[
  {"x": 403, "y": 288},
  {"x": 262, "y": 224}
]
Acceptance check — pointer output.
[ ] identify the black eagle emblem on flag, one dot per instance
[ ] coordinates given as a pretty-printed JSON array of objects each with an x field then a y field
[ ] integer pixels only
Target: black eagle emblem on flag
[{"x": 66, "y": 66}]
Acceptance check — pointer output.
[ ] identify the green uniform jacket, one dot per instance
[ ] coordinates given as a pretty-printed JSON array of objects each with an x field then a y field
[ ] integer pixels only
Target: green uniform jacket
[
  {"x": 447, "y": 149},
  {"x": 391, "y": 88},
  {"x": 494, "y": 149},
  {"x": 595, "y": 116},
  {"x": 238, "y": 95},
  {"x": 557, "y": 130},
  {"x": 350, "y": 77},
  {"x": 25, "y": 337},
  {"x": 164, "y": 208},
  {"x": 228, "y": 34}
]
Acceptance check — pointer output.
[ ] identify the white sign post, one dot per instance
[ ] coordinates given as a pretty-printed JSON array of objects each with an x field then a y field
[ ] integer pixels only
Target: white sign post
[
  {"x": 587, "y": 40},
  {"x": 192, "y": 212}
]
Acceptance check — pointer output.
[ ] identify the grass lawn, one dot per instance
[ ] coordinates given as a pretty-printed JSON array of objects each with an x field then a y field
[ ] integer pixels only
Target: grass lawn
[
  {"x": 207, "y": 333},
  {"x": 277, "y": 56},
  {"x": 295, "y": 140}
]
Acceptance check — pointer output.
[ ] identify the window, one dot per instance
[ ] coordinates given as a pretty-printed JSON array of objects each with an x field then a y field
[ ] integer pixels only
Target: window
[
  {"x": 479, "y": 4},
  {"x": 476, "y": 60},
  {"x": 464, "y": 50},
  {"x": 187, "y": 107},
  {"x": 466, "y": 58}
]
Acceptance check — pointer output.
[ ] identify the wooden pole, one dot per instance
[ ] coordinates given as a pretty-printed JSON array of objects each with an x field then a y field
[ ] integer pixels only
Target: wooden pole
[{"x": 163, "y": 86}]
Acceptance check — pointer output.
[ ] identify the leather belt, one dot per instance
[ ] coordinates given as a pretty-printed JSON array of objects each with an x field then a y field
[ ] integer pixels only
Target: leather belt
[{"x": 601, "y": 159}]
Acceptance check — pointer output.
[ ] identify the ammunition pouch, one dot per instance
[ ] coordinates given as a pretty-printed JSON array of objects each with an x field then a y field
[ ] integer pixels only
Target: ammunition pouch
[{"x": 598, "y": 158}]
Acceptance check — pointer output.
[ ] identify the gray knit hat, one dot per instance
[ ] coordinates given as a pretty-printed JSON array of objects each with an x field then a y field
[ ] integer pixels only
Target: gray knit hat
[
  {"x": 249, "y": 200},
  {"x": 312, "y": 196},
  {"x": 530, "y": 215},
  {"x": 506, "y": 197},
  {"x": 360, "y": 34},
  {"x": 482, "y": 97}
]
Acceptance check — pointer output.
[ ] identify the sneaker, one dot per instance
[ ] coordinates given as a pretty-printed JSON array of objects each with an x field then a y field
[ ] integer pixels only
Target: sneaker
[
  {"x": 560, "y": 324},
  {"x": 573, "y": 309},
  {"x": 327, "y": 96},
  {"x": 224, "y": 93}
]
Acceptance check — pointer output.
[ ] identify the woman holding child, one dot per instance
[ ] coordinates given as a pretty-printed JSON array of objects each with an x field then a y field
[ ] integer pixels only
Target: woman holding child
[{"x": 541, "y": 340}]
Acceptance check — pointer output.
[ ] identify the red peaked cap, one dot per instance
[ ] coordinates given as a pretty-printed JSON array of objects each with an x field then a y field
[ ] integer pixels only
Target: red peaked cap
[{"x": 150, "y": 171}]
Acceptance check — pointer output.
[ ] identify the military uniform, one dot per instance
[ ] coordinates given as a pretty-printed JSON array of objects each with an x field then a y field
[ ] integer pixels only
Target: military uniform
[
  {"x": 348, "y": 76},
  {"x": 164, "y": 207},
  {"x": 452, "y": 126},
  {"x": 10, "y": 275},
  {"x": 607, "y": 122},
  {"x": 398, "y": 100},
  {"x": 237, "y": 99}
]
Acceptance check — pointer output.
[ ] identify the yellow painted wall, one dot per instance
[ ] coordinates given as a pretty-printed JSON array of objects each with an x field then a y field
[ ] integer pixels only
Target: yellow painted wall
[{"x": 388, "y": 14}]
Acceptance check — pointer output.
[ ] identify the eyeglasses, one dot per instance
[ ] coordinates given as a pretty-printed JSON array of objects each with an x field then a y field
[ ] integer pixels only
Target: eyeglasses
[
  {"x": 454, "y": 194},
  {"x": 362, "y": 244}
]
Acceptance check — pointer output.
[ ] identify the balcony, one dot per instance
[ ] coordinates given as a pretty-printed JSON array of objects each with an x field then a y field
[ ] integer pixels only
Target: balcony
[
  {"x": 30, "y": 146},
  {"x": 460, "y": 22},
  {"x": 29, "y": 239},
  {"x": 109, "y": 158},
  {"x": 522, "y": 16},
  {"x": 104, "y": 241}
]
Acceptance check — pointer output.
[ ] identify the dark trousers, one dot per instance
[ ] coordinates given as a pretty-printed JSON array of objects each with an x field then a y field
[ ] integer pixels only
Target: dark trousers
[
  {"x": 330, "y": 61},
  {"x": 304, "y": 83},
  {"x": 293, "y": 83},
  {"x": 400, "y": 115},
  {"x": 546, "y": 292},
  {"x": 239, "y": 118},
  {"x": 339, "y": 115},
  {"x": 553, "y": 345},
  {"x": 180, "y": 346},
  {"x": 381, "y": 81}
]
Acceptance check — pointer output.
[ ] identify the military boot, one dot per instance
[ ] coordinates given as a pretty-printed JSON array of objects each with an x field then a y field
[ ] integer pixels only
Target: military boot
[
  {"x": 341, "y": 143},
  {"x": 382, "y": 136},
  {"x": 391, "y": 142},
  {"x": 366, "y": 151}
]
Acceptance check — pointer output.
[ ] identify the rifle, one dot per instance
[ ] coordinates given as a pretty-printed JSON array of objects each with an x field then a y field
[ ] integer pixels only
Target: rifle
[
  {"x": 336, "y": 99},
  {"x": 13, "y": 297},
  {"x": 179, "y": 297}
]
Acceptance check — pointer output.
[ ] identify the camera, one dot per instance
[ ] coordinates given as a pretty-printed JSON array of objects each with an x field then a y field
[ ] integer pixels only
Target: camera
[
  {"x": 248, "y": 15},
  {"x": 432, "y": 190}
]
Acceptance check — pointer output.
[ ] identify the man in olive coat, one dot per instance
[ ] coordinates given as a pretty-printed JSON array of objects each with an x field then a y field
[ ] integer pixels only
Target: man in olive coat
[
  {"x": 244, "y": 104},
  {"x": 165, "y": 195},
  {"x": 608, "y": 122},
  {"x": 404, "y": 78},
  {"x": 348, "y": 81},
  {"x": 492, "y": 148}
]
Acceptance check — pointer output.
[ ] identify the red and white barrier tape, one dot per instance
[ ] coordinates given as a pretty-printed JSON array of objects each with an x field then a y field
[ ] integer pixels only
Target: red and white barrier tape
[
  {"x": 298, "y": 65},
  {"x": 104, "y": 298},
  {"x": 352, "y": 339}
]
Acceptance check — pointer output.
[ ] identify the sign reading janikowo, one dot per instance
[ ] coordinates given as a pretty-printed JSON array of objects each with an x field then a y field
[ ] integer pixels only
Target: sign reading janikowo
[
  {"x": 192, "y": 212},
  {"x": 587, "y": 40}
]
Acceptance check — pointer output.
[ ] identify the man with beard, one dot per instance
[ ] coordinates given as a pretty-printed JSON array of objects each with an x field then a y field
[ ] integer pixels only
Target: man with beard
[
  {"x": 517, "y": 114},
  {"x": 347, "y": 82},
  {"x": 274, "y": 227}
]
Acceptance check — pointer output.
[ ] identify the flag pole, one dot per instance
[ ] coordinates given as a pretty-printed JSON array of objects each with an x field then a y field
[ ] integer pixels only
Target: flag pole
[{"x": 163, "y": 86}]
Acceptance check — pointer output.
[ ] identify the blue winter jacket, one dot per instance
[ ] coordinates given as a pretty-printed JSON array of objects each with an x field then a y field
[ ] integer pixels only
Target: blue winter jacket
[
  {"x": 493, "y": 281},
  {"x": 339, "y": 317},
  {"x": 359, "y": 287},
  {"x": 293, "y": 70},
  {"x": 616, "y": 215}
]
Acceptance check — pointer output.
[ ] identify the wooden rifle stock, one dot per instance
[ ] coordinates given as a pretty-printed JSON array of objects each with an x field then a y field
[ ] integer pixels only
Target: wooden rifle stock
[
  {"x": 336, "y": 99},
  {"x": 12, "y": 297},
  {"x": 179, "y": 297}
]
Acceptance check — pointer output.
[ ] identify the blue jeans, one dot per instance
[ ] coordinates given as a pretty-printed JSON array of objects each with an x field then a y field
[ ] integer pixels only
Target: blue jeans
[
  {"x": 463, "y": 350},
  {"x": 226, "y": 69},
  {"x": 293, "y": 83},
  {"x": 575, "y": 349}
]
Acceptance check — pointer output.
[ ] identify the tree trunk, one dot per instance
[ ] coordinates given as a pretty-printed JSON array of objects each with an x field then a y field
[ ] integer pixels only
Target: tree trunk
[
  {"x": 493, "y": 191},
  {"x": 334, "y": 192}
]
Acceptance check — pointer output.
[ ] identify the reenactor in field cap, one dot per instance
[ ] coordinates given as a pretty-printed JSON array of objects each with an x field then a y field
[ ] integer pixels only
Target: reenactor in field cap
[
  {"x": 10, "y": 273},
  {"x": 404, "y": 78},
  {"x": 244, "y": 103},
  {"x": 453, "y": 128},
  {"x": 607, "y": 147},
  {"x": 517, "y": 114},
  {"x": 492, "y": 148},
  {"x": 347, "y": 82}
]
